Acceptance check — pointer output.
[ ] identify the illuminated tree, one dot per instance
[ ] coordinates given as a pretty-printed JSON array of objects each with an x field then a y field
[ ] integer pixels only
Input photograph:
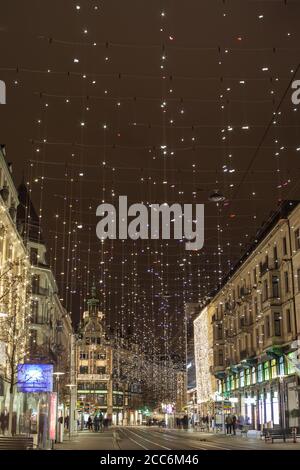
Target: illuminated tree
[{"x": 14, "y": 323}]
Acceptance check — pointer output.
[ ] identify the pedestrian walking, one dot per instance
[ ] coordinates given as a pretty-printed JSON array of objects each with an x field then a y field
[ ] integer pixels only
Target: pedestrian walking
[
  {"x": 90, "y": 424},
  {"x": 101, "y": 421},
  {"x": 234, "y": 419},
  {"x": 96, "y": 423},
  {"x": 228, "y": 424}
]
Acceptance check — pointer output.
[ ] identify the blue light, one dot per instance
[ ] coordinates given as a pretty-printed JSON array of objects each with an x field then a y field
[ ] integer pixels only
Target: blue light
[{"x": 35, "y": 378}]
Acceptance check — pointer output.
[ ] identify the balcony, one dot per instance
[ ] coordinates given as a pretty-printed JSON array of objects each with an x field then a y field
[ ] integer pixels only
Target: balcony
[
  {"x": 229, "y": 308},
  {"x": 93, "y": 377},
  {"x": 218, "y": 371},
  {"x": 246, "y": 325},
  {"x": 274, "y": 341},
  {"x": 38, "y": 290}
]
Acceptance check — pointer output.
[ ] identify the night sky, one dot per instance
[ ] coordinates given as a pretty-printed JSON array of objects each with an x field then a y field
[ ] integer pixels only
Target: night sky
[{"x": 97, "y": 91}]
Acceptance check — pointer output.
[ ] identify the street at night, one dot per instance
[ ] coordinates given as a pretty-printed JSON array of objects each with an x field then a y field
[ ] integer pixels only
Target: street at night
[{"x": 149, "y": 228}]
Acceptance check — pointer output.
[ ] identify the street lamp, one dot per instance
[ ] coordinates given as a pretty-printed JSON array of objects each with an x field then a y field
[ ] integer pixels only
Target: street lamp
[{"x": 57, "y": 375}]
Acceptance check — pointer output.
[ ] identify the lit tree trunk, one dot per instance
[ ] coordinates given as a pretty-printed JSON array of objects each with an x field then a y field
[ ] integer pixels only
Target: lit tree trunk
[
  {"x": 12, "y": 376},
  {"x": 11, "y": 407}
]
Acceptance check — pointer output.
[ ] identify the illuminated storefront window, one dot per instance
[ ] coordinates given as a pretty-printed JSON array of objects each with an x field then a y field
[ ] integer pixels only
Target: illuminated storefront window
[
  {"x": 242, "y": 379},
  {"x": 268, "y": 407},
  {"x": 274, "y": 369},
  {"x": 231, "y": 382},
  {"x": 228, "y": 384},
  {"x": 253, "y": 375},
  {"x": 290, "y": 367},
  {"x": 266, "y": 370},
  {"x": 236, "y": 381},
  {"x": 261, "y": 408},
  {"x": 259, "y": 373},
  {"x": 281, "y": 365},
  {"x": 275, "y": 408},
  {"x": 248, "y": 377}
]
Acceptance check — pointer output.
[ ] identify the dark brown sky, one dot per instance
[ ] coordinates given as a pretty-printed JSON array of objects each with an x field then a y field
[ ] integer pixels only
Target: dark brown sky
[{"x": 229, "y": 66}]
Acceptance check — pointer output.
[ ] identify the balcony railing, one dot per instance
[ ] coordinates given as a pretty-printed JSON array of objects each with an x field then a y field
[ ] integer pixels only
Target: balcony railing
[{"x": 38, "y": 290}]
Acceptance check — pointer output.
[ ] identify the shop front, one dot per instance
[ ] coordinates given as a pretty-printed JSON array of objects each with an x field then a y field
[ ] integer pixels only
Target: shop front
[{"x": 261, "y": 394}]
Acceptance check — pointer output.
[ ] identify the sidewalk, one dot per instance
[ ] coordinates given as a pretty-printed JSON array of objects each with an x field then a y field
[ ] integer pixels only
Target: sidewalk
[{"x": 86, "y": 440}]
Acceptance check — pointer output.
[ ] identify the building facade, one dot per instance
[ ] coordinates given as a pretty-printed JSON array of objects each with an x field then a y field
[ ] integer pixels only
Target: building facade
[
  {"x": 255, "y": 327},
  {"x": 14, "y": 298}
]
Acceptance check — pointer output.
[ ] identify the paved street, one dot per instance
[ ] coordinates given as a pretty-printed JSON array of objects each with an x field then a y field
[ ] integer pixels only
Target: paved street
[{"x": 142, "y": 438}]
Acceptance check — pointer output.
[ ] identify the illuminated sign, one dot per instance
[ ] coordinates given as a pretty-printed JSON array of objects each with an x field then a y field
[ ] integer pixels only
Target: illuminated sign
[{"x": 35, "y": 378}]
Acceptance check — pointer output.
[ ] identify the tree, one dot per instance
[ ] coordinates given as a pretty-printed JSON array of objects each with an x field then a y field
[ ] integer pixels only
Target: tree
[{"x": 14, "y": 322}]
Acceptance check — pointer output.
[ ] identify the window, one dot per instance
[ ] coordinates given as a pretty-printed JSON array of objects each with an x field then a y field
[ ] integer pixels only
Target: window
[
  {"x": 286, "y": 281},
  {"x": 254, "y": 276},
  {"x": 242, "y": 378},
  {"x": 219, "y": 331},
  {"x": 297, "y": 239},
  {"x": 277, "y": 324},
  {"x": 101, "y": 400},
  {"x": 253, "y": 373},
  {"x": 248, "y": 377},
  {"x": 255, "y": 307},
  {"x": 33, "y": 340},
  {"x": 100, "y": 386},
  {"x": 259, "y": 373},
  {"x": 83, "y": 370},
  {"x": 101, "y": 356},
  {"x": 275, "y": 256},
  {"x": 288, "y": 321},
  {"x": 36, "y": 284},
  {"x": 275, "y": 286},
  {"x": 298, "y": 279},
  {"x": 34, "y": 311},
  {"x": 281, "y": 366},
  {"x": 284, "y": 246},
  {"x": 266, "y": 294},
  {"x": 273, "y": 368},
  {"x": 34, "y": 256},
  {"x": 220, "y": 358},
  {"x": 266, "y": 371},
  {"x": 268, "y": 329},
  {"x": 101, "y": 370},
  {"x": 83, "y": 355}
]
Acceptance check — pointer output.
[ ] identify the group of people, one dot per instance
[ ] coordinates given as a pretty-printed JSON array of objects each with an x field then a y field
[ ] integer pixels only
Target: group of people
[
  {"x": 97, "y": 423},
  {"x": 4, "y": 422},
  {"x": 232, "y": 423}
]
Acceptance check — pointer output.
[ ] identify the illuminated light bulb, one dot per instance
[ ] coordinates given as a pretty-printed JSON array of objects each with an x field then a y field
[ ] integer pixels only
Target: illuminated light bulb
[
  {"x": 85, "y": 31},
  {"x": 260, "y": 17},
  {"x": 82, "y": 124},
  {"x": 265, "y": 69},
  {"x": 78, "y": 7},
  {"x": 104, "y": 126},
  {"x": 76, "y": 61}
]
